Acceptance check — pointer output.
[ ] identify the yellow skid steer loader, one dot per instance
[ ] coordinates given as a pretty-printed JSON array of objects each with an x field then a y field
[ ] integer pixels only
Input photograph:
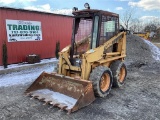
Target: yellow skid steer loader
[
  {"x": 90, "y": 66},
  {"x": 144, "y": 35}
]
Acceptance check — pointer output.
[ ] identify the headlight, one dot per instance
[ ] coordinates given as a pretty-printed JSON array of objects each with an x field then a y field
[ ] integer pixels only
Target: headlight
[{"x": 86, "y": 5}]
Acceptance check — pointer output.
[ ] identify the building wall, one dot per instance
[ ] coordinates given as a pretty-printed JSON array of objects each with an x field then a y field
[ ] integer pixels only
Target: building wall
[{"x": 54, "y": 28}]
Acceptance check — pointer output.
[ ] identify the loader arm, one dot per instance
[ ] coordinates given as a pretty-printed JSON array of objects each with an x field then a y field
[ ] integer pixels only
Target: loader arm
[{"x": 98, "y": 54}]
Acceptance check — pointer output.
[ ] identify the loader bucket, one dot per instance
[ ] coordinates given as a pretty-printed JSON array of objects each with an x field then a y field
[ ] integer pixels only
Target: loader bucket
[{"x": 65, "y": 92}]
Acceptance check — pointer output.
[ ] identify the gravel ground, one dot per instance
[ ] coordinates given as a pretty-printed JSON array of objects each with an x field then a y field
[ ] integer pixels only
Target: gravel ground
[{"x": 137, "y": 99}]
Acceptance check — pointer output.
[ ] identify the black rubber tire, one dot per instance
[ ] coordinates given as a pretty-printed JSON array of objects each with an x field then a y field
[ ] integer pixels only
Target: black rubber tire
[
  {"x": 96, "y": 77},
  {"x": 115, "y": 67}
]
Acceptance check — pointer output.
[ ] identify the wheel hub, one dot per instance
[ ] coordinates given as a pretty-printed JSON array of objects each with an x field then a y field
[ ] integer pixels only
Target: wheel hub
[
  {"x": 122, "y": 74},
  {"x": 105, "y": 82}
]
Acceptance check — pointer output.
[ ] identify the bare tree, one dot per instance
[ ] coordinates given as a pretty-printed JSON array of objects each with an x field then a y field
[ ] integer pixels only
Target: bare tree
[
  {"x": 127, "y": 17},
  {"x": 136, "y": 25},
  {"x": 156, "y": 22},
  {"x": 152, "y": 25}
]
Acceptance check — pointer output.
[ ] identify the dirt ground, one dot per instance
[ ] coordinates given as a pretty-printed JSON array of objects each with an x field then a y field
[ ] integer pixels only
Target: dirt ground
[{"x": 138, "y": 99}]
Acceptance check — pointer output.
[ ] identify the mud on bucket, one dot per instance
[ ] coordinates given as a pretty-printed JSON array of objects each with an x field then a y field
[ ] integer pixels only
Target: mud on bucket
[{"x": 64, "y": 92}]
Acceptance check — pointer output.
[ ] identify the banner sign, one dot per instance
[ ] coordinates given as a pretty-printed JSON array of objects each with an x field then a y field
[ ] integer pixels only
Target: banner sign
[{"x": 20, "y": 30}]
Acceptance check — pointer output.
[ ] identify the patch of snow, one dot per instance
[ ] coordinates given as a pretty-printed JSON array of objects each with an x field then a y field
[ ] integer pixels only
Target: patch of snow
[
  {"x": 48, "y": 60},
  {"x": 23, "y": 76},
  {"x": 155, "y": 50},
  {"x": 56, "y": 97},
  {"x": 25, "y": 64}
]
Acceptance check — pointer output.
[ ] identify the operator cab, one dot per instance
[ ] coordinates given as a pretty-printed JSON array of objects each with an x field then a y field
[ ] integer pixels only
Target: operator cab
[{"x": 92, "y": 28}]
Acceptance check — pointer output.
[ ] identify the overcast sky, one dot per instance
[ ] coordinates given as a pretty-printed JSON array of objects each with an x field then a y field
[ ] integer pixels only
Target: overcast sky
[{"x": 143, "y": 9}]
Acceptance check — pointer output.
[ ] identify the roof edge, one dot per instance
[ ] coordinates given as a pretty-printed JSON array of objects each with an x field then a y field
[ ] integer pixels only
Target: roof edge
[{"x": 28, "y": 10}]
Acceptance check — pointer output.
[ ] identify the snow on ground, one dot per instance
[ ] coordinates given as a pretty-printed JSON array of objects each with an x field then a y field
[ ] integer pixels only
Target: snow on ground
[
  {"x": 25, "y": 64},
  {"x": 25, "y": 76},
  {"x": 154, "y": 49}
]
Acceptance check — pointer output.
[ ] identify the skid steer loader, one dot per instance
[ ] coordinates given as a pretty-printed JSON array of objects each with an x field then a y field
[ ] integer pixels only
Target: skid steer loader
[
  {"x": 144, "y": 35},
  {"x": 89, "y": 67}
]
